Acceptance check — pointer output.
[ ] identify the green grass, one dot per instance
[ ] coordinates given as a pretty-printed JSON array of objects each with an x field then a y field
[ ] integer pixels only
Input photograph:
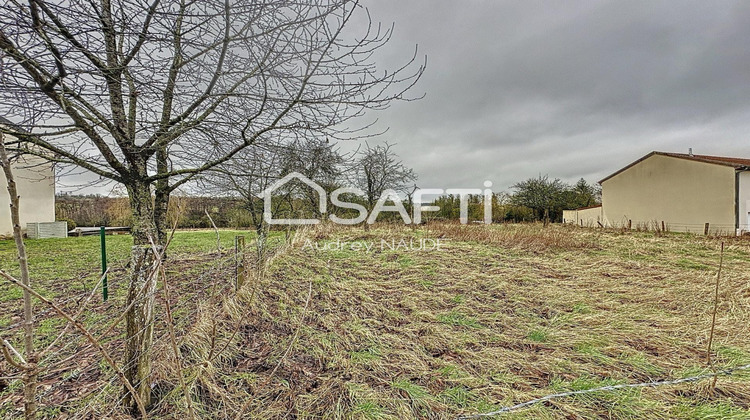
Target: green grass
[
  {"x": 590, "y": 349},
  {"x": 365, "y": 356},
  {"x": 62, "y": 265},
  {"x": 581, "y": 308},
  {"x": 411, "y": 390},
  {"x": 709, "y": 411},
  {"x": 65, "y": 258},
  {"x": 458, "y": 319},
  {"x": 368, "y": 410},
  {"x": 452, "y": 372},
  {"x": 641, "y": 363},
  {"x": 690, "y": 264},
  {"x": 458, "y": 396},
  {"x": 538, "y": 335},
  {"x": 733, "y": 356}
]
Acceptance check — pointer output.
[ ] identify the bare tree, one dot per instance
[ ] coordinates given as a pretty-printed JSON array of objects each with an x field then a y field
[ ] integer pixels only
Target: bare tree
[
  {"x": 319, "y": 161},
  {"x": 377, "y": 169},
  {"x": 246, "y": 177},
  {"x": 151, "y": 93},
  {"x": 29, "y": 364},
  {"x": 257, "y": 167}
]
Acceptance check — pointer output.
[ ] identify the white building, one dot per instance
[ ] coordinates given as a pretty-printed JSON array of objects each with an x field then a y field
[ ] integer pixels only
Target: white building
[{"x": 35, "y": 181}]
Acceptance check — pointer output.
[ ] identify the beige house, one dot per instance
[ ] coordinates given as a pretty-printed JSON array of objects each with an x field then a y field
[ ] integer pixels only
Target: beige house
[
  {"x": 684, "y": 191},
  {"x": 35, "y": 180}
]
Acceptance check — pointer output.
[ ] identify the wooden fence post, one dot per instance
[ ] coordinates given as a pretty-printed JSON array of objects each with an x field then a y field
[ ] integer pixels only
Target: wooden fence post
[
  {"x": 663, "y": 229},
  {"x": 705, "y": 229},
  {"x": 239, "y": 261},
  {"x": 630, "y": 224}
]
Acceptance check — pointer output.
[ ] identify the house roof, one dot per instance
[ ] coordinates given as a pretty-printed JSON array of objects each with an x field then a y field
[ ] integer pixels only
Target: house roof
[{"x": 737, "y": 163}]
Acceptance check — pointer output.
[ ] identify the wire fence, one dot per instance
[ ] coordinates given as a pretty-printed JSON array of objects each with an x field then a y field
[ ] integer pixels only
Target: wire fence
[{"x": 608, "y": 388}]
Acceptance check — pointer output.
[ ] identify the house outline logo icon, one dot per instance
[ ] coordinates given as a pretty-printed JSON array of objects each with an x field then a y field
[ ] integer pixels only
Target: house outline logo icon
[{"x": 267, "y": 194}]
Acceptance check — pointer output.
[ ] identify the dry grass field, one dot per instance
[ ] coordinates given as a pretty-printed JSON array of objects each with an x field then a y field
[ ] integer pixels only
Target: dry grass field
[{"x": 498, "y": 316}]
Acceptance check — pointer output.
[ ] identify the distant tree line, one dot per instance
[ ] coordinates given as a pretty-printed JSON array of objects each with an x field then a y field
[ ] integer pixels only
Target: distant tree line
[
  {"x": 233, "y": 201},
  {"x": 230, "y": 193},
  {"x": 534, "y": 199},
  {"x": 97, "y": 210},
  {"x": 547, "y": 198}
]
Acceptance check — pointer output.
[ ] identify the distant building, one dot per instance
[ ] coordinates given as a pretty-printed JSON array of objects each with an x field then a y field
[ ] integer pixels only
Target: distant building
[
  {"x": 682, "y": 191},
  {"x": 585, "y": 216},
  {"x": 35, "y": 180}
]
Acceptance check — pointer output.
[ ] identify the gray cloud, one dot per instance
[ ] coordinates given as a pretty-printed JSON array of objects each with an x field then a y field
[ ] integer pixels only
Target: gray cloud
[{"x": 572, "y": 89}]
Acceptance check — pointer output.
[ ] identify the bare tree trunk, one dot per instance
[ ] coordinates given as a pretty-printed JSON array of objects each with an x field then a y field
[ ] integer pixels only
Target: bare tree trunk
[
  {"x": 369, "y": 211},
  {"x": 161, "y": 209},
  {"x": 141, "y": 292},
  {"x": 161, "y": 197},
  {"x": 261, "y": 231},
  {"x": 30, "y": 367}
]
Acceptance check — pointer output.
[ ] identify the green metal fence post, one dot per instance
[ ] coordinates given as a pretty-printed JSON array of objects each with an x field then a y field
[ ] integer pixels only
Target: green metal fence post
[
  {"x": 105, "y": 289},
  {"x": 239, "y": 261}
]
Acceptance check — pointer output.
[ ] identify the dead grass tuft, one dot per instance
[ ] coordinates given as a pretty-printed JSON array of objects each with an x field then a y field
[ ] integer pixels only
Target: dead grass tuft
[{"x": 529, "y": 237}]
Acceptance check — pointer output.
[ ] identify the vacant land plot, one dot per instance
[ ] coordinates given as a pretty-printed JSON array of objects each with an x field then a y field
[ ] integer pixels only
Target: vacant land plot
[{"x": 499, "y": 315}]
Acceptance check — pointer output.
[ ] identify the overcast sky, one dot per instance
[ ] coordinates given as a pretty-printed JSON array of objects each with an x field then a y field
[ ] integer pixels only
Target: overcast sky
[
  {"x": 516, "y": 89},
  {"x": 571, "y": 89}
]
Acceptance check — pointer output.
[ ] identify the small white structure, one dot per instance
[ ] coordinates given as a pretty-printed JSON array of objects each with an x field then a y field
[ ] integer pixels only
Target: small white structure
[
  {"x": 592, "y": 216},
  {"x": 35, "y": 180},
  {"x": 46, "y": 230}
]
